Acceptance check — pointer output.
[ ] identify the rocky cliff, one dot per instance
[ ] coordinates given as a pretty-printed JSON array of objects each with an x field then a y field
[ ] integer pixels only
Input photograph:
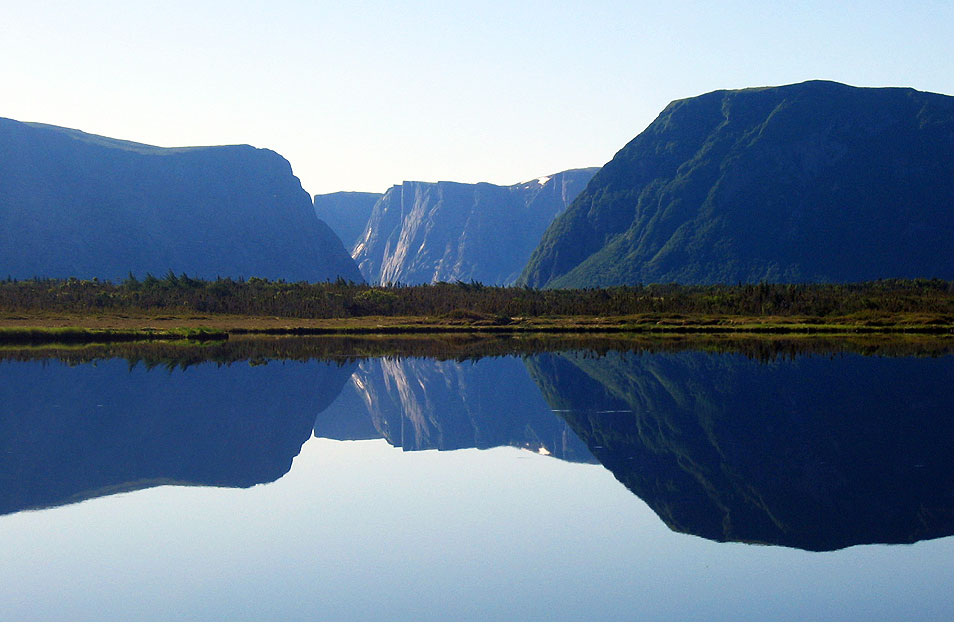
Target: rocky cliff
[
  {"x": 74, "y": 204},
  {"x": 427, "y": 232},
  {"x": 812, "y": 182}
]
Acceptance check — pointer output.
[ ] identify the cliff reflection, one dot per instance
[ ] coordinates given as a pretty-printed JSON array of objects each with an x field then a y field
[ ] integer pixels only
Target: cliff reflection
[
  {"x": 71, "y": 433},
  {"x": 422, "y": 404}
]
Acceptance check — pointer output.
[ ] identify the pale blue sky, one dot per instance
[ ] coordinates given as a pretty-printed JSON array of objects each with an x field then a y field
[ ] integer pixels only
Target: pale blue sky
[{"x": 362, "y": 95}]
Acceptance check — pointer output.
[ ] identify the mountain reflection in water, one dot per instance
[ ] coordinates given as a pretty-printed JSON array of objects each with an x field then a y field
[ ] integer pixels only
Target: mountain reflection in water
[
  {"x": 819, "y": 453},
  {"x": 813, "y": 451},
  {"x": 422, "y": 404},
  {"x": 69, "y": 433}
]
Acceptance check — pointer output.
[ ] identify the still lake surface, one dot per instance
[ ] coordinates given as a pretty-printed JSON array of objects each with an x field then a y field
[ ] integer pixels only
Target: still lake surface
[{"x": 621, "y": 484}]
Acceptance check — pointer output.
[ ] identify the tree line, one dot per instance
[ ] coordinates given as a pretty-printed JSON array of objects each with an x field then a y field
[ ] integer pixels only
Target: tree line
[{"x": 342, "y": 299}]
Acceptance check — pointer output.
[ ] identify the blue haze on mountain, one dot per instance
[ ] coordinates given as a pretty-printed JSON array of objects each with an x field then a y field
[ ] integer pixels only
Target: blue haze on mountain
[
  {"x": 80, "y": 205},
  {"x": 346, "y": 213}
]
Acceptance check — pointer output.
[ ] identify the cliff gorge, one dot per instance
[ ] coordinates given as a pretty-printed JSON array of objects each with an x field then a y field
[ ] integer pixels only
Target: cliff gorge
[
  {"x": 346, "y": 213},
  {"x": 427, "y": 232},
  {"x": 813, "y": 182},
  {"x": 81, "y": 205}
]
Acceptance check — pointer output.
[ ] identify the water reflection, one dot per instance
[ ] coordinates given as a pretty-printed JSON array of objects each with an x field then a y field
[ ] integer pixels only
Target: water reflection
[
  {"x": 71, "y": 433},
  {"x": 789, "y": 446},
  {"x": 420, "y": 404},
  {"x": 820, "y": 452}
]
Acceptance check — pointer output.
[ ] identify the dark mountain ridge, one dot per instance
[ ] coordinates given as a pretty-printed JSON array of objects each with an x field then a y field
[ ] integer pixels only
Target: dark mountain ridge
[
  {"x": 81, "y": 205},
  {"x": 812, "y": 182}
]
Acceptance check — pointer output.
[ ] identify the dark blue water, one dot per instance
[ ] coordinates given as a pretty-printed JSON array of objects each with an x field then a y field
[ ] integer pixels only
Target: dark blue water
[{"x": 557, "y": 486}]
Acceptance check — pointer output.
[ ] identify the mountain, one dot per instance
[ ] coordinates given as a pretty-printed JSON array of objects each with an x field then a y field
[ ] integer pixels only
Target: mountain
[
  {"x": 421, "y": 404},
  {"x": 74, "y": 204},
  {"x": 813, "y": 182},
  {"x": 819, "y": 452},
  {"x": 70, "y": 433},
  {"x": 346, "y": 213},
  {"x": 427, "y": 232}
]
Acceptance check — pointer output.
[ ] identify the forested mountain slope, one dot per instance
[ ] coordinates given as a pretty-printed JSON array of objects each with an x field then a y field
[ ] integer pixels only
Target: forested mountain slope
[{"x": 813, "y": 182}]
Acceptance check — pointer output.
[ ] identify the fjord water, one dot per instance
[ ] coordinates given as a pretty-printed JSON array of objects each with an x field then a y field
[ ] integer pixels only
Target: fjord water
[{"x": 560, "y": 485}]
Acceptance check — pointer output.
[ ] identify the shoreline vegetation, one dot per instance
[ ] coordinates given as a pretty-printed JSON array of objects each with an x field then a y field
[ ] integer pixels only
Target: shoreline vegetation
[{"x": 69, "y": 311}]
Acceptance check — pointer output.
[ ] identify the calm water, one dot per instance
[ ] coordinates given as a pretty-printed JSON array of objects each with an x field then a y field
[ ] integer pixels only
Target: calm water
[{"x": 564, "y": 485}]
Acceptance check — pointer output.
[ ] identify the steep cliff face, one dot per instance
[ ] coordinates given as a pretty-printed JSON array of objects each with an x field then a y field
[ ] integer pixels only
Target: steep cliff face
[
  {"x": 346, "y": 213},
  {"x": 74, "y": 204},
  {"x": 421, "y": 404},
  {"x": 428, "y": 232},
  {"x": 810, "y": 182}
]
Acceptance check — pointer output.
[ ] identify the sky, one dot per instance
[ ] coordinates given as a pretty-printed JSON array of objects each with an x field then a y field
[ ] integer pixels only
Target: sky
[{"x": 361, "y": 95}]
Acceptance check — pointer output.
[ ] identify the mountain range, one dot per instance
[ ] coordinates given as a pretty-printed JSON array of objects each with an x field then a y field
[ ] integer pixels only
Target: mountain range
[{"x": 812, "y": 182}]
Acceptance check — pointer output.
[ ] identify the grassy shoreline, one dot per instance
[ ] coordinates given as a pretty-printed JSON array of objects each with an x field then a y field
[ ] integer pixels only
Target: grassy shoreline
[
  {"x": 55, "y": 327},
  {"x": 174, "y": 307}
]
